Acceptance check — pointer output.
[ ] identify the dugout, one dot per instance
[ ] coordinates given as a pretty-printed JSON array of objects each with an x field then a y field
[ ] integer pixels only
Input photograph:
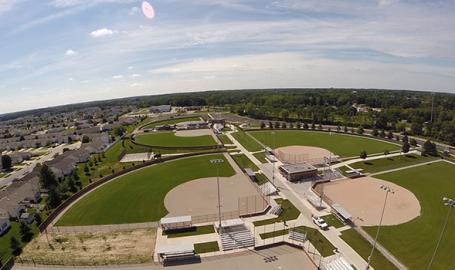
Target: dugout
[{"x": 176, "y": 223}]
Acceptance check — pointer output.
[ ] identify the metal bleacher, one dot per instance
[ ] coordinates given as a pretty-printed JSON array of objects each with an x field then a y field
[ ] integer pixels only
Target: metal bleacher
[
  {"x": 236, "y": 237},
  {"x": 339, "y": 264},
  {"x": 277, "y": 210},
  {"x": 297, "y": 236}
]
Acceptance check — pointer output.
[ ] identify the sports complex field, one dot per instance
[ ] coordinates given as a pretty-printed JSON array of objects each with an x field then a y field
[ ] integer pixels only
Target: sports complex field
[
  {"x": 139, "y": 196},
  {"x": 339, "y": 144},
  {"x": 170, "y": 139},
  {"x": 172, "y": 121},
  {"x": 413, "y": 242}
]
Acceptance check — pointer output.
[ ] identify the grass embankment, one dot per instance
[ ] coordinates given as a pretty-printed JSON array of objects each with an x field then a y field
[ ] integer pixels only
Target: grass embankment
[
  {"x": 261, "y": 179},
  {"x": 139, "y": 196},
  {"x": 261, "y": 157},
  {"x": 314, "y": 236},
  {"x": 169, "y": 139},
  {"x": 333, "y": 221},
  {"x": 224, "y": 139},
  {"x": 363, "y": 248},
  {"x": 384, "y": 164},
  {"x": 206, "y": 247},
  {"x": 244, "y": 162},
  {"x": 342, "y": 145},
  {"x": 249, "y": 143},
  {"x": 290, "y": 212},
  {"x": 429, "y": 183},
  {"x": 199, "y": 230},
  {"x": 5, "y": 239}
]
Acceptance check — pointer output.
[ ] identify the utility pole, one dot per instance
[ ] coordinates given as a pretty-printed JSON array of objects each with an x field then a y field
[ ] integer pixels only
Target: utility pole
[
  {"x": 387, "y": 191},
  {"x": 217, "y": 162},
  {"x": 451, "y": 204}
]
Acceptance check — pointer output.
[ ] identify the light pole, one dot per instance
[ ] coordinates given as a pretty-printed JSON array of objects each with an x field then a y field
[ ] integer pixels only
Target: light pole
[
  {"x": 217, "y": 162},
  {"x": 451, "y": 204},
  {"x": 387, "y": 190}
]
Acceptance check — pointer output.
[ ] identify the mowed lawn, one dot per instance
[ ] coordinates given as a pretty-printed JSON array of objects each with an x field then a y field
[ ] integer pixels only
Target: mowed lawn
[
  {"x": 170, "y": 139},
  {"x": 139, "y": 196},
  {"x": 384, "y": 164},
  {"x": 413, "y": 242},
  {"x": 342, "y": 145}
]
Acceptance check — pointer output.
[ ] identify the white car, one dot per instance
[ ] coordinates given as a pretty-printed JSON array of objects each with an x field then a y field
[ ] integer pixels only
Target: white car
[{"x": 320, "y": 222}]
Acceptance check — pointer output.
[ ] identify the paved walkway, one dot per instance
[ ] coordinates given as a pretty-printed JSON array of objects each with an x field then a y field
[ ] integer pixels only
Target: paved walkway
[
  {"x": 352, "y": 161},
  {"x": 407, "y": 167},
  {"x": 281, "y": 257},
  {"x": 307, "y": 210}
]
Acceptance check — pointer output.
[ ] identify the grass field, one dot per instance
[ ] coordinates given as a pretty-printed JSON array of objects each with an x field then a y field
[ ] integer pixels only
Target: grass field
[
  {"x": 261, "y": 157},
  {"x": 332, "y": 220},
  {"x": 206, "y": 247},
  {"x": 342, "y": 145},
  {"x": 429, "y": 183},
  {"x": 363, "y": 248},
  {"x": 139, "y": 196},
  {"x": 384, "y": 164},
  {"x": 172, "y": 122},
  {"x": 290, "y": 212},
  {"x": 261, "y": 179},
  {"x": 249, "y": 143},
  {"x": 224, "y": 139},
  {"x": 244, "y": 162},
  {"x": 314, "y": 236},
  {"x": 14, "y": 231},
  {"x": 191, "y": 232},
  {"x": 169, "y": 139}
]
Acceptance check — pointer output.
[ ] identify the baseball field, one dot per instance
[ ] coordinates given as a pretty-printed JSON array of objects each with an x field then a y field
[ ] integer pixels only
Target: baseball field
[
  {"x": 170, "y": 139},
  {"x": 413, "y": 242},
  {"x": 139, "y": 196},
  {"x": 339, "y": 144}
]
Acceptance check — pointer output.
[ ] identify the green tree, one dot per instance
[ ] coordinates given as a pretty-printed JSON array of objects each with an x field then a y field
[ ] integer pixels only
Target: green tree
[
  {"x": 374, "y": 132},
  {"x": 382, "y": 134},
  {"x": 386, "y": 153},
  {"x": 15, "y": 246},
  {"x": 85, "y": 139},
  {"x": 284, "y": 114},
  {"x": 277, "y": 124},
  {"x": 363, "y": 154},
  {"x": 7, "y": 163},
  {"x": 390, "y": 134},
  {"x": 360, "y": 130},
  {"x": 262, "y": 125},
  {"x": 405, "y": 148},
  {"x": 429, "y": 148},
  {"x": 26, "y": 232},
  {"x": 54, "y": 199},
  {"x": 47, "y": 177},
  {"x": 413, "y": 142}
]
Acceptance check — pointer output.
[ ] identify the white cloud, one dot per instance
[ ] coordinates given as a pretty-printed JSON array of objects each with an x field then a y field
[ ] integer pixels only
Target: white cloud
[
  {"x": 134, "y": 85},
  {"x": 134, "y": 11},
  {"x": 135, "y": 75},
  {"x": 70, "y": 52},
  {"x": 102, "y": 32},
  {"x": 117, "y": 77}
]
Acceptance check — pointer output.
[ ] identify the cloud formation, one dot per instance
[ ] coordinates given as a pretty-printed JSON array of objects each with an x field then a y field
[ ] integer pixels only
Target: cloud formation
[{"x": 102, "y": 32}]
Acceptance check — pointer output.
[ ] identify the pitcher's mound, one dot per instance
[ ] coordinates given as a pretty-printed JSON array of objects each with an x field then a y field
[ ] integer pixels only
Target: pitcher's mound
[
  {"x": 299, "y": 154},
  {"x": 364, "y": 200}
]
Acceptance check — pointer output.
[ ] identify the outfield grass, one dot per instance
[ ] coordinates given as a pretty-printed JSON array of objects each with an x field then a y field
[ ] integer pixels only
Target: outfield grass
[
  {"x": 199, "y": 230},
  {"x": 384, "y": 164},
  {"x": 171, "y": 140},
  {"x": 244, "y": 162},
  {"x": 429, "y": 183},
  {"x": 206, "y": 247},
  {"x": 290, "y": 212},
  {"x": 261, "y": 157},
  {"x": 139, "y": 196},
  {"x": 342, "y": 145},
  {"x": 172, "y": 122},
  {"x": 249, "y": 143},
  {"x": 363, "y": 248},
  {"x": 224, "y": 139}
]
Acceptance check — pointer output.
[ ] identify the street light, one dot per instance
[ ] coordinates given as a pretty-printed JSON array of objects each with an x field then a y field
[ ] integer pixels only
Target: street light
[
  {"x": 217, "y": 162},
  {"x": 387, "y": 190},
  {"x": 450, "y": 203}
]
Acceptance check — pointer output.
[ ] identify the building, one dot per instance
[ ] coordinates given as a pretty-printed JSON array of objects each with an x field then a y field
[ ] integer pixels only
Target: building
[
  {"x": 4, "y": 222},
  {"x": 160, "y": 109},
  {"x": 297, "y": 172}
]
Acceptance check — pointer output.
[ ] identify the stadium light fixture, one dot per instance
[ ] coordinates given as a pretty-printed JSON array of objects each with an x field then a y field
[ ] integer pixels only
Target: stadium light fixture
[
  {"x": 387, "y": 190},
  {"x": 450, "y": 203},
  {"x": 217, "y": 162}
]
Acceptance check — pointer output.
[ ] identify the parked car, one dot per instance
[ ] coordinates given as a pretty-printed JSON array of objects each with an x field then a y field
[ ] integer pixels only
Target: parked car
[{"x": 320, "y": 222}]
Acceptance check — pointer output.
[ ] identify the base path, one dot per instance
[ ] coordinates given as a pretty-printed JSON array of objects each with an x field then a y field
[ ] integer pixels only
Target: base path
[{"x": 364, "y": 200}]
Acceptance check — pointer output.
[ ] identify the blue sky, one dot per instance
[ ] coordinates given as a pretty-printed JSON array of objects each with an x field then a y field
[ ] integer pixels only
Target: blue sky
[{"x": 56, "y": 52}]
